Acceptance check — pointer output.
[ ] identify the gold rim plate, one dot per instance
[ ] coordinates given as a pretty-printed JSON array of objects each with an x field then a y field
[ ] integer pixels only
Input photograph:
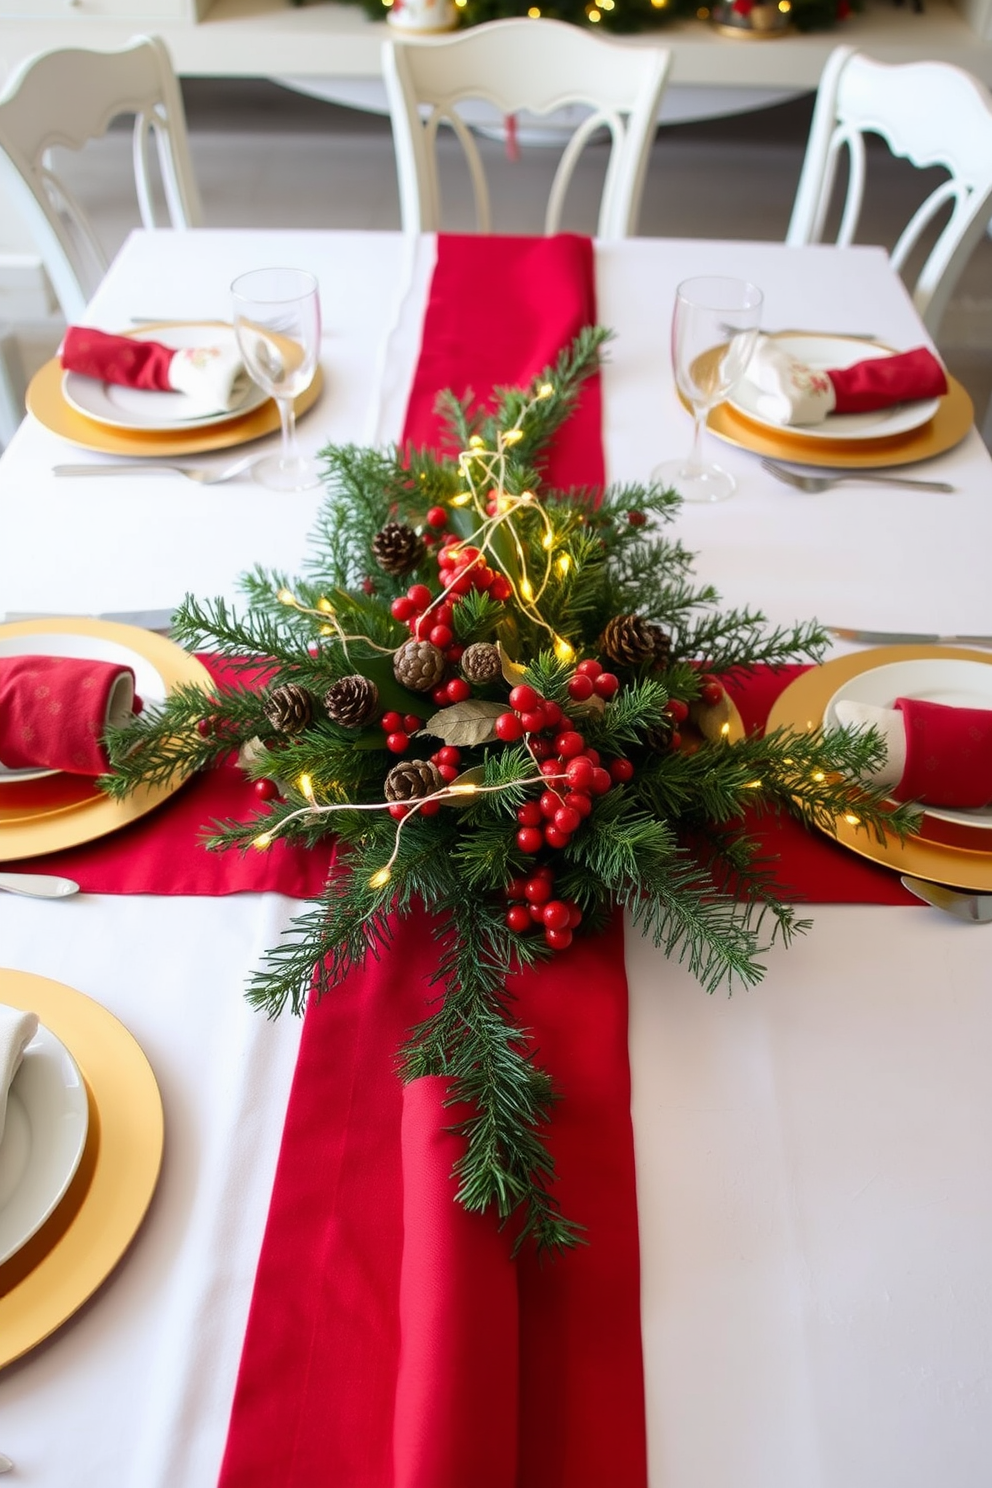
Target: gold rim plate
[
  {"x": 949, "y": 425},
  {"x": 64, "y": 1262},
  {"x": 75, "y": 822},
  {"x": 47, "y": 401},
  {"x": 800, "y": 707}
]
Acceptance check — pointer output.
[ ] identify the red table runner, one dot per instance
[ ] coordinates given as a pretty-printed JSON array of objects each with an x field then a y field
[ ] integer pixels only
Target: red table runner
[{"x": 393, "y": 1342}]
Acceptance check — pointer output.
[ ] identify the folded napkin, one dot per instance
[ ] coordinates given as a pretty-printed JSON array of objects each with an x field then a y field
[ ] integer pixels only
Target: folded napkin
[
  {"x": 790, "y": 392},
  {"x": 54, "y": 711},
  {"x": 212, "y": 376},
  {"x": 937, "y": 755},
  {"x": 17, "y": 1029}
]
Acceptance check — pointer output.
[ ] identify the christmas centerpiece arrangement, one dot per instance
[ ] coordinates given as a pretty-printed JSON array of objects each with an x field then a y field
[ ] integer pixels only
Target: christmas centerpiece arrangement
[{"x": 505, "y": 704}]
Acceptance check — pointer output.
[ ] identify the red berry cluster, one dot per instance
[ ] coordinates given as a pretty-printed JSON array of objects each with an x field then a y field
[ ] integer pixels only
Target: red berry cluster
[
  {"x": 462, "y": 567},
  {"x": 398, "y": 727},
  {"x": 575, "y": 772},
  {"x": 532, "y": 905},
  {"x": 590, "y": 679},
  {"x": 428, "y": 619}
]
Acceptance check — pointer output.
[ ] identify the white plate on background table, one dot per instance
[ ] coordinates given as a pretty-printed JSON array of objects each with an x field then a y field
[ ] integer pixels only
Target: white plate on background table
[
  {"x": 958, "y": 684},
  {"x": 821, "y": 353},
  {"x": 43, "y": 1139},
  {"x": 139, "y": 408},
  {"x": 148, "y": 683}
]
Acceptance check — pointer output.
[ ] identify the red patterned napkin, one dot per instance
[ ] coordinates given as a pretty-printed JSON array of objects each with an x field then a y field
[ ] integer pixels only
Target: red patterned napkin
[
  {"x": 213, "y": 376},
  {"x": 948, "y": 754},
  {"x": 790, "y": 392},
  {"x": 54, "y": 711},
  {"x": 935, "y": 754}
]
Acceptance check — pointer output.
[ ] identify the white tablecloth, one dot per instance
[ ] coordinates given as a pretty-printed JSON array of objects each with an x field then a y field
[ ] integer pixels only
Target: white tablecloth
[{"x": 812, "y": 1154}]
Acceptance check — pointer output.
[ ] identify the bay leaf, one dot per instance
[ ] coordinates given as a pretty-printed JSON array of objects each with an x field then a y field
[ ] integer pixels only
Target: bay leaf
[{"x": 465, "y": 724}]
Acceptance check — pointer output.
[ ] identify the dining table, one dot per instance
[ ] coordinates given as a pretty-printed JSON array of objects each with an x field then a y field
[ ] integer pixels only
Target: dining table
[{"x": 812, "y": 1153}]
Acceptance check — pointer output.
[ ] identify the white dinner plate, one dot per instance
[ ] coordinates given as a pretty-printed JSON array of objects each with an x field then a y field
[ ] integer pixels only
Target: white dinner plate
[
  {"x": 821, "y": 353},
  {"x": 148, "y": 685},
  {"x": 137, "y": 408},
  {"x": 959, "y": 684},
  {"x": 43, "y": 1139}
]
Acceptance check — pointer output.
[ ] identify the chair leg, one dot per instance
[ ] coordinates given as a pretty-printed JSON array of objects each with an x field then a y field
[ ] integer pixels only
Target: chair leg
[{"x": 12, "y": 387}]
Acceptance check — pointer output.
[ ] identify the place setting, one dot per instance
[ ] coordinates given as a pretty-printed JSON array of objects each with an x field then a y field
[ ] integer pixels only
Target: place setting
[
  {"x": 821, "y": 408},
  {"x": 158, "y": 390},
  {"x": 63, "y": 681},
  {"x": 81, "y": 1136},
  {"x": 931, "y": 706}
]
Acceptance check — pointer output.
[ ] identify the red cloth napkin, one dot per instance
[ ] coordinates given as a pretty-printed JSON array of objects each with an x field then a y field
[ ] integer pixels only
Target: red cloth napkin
[
  {"x": 948, "y": 755},
  {"x": 54, "y": 711},
  {"x": 120, "y": 359},
  {"x": 883, "y": 381}
]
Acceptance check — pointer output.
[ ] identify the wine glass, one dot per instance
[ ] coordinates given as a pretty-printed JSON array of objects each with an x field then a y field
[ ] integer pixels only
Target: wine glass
[
  {"x": 277, "y": 323},
  {"x": 714, "y": 330}
]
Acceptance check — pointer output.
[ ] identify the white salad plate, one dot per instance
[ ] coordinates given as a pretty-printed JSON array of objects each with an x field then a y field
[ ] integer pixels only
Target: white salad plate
[
  {"x": 823, "y": 353},
  {"x": 958, "y": 684},
  {"x": 43, "y": 1139},
  {"x": 139, "y": 408},
  {"x": 148, "y": 684}
]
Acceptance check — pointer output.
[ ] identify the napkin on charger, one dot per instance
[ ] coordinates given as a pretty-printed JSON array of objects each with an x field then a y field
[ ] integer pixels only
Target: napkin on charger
[
  {"x": 213, "y": 377},
  {"x": 935, "y": 754},
  {"x": 54, "y": 711},
  {"x": 17, "y": 1029},
  {"x": 790, "y": 392}
]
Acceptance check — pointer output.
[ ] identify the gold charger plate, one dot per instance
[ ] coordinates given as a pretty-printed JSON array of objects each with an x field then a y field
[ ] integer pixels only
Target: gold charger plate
[
  {"x": 64, "y": 1262},
  {"x": 46, "y": 400},
  {"x": 69, "y": 823},
  {"x": 949, "y": 425},
  {"x": 801, "y": 707}
]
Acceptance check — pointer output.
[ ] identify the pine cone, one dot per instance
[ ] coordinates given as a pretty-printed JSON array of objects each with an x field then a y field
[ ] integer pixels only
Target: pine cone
[
  {"x": 480, "y": 663},
  {"x": 419, "y": 665},
  {"x": 662, "y": 646},
  {"x": 628, "y": 640},
  {"x": 397, "y": 548},
  {"x": 411, "y": 780},
  {"x": 352, "y": 701},
  {"x": 289, "y": 708},
  {"x": 659, "y": 736}
]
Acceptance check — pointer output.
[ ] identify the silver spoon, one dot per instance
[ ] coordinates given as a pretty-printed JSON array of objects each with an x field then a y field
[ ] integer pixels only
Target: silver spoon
[
  {"x": 38, "y": 885},
  {"x": 812, "y": 484},
  {"x": 975, "y": 909}
]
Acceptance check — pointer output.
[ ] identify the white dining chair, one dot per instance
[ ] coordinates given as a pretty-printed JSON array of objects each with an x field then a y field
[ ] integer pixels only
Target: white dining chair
[
  {"x": 68, "y": 97},
  {"x": 930, "y": 113},
  {"x": 515, "y": 65}
]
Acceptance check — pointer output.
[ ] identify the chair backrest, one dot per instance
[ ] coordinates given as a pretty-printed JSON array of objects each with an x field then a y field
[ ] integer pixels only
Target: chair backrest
[
  {"x": 67, "y": 97},
  {"x": 929, "y": 113},
  {"x": 533, "y": 65}
]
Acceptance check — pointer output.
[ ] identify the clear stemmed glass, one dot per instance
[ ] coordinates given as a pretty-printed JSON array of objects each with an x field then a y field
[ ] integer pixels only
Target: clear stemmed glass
[
  {"x": 277, "y": 322},
  {"x": 714, "y": 329}
]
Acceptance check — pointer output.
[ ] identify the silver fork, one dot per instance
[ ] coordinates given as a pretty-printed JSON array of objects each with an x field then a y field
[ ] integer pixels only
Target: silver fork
[
  {"x": 196, "y": 473},
  {"x": 814, "y": 483}
]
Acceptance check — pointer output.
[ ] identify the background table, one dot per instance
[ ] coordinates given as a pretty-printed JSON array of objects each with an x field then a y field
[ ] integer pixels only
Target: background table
[{"x": 812, "y": 1154}]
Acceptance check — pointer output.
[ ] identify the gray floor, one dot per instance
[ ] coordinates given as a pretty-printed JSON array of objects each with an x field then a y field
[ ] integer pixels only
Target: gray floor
[{"x": 265, "y": 156}]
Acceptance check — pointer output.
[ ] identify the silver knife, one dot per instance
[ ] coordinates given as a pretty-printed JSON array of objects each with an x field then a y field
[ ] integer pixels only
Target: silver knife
[{"x": 905, "y": 638}]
